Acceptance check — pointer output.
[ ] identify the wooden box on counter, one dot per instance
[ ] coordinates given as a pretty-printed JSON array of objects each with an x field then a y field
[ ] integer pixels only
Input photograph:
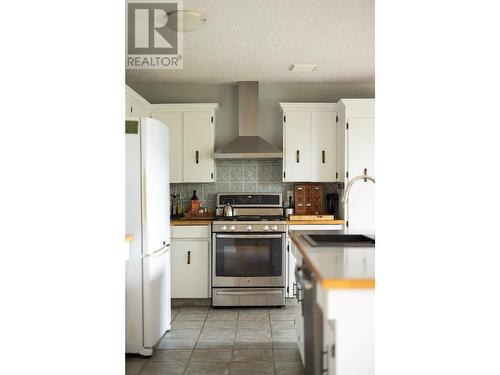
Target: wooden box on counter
[{"x": 308, "y": 199}]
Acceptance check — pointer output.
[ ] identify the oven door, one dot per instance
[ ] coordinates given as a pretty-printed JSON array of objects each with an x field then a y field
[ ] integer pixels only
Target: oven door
[{"x": 248, "y": 260}]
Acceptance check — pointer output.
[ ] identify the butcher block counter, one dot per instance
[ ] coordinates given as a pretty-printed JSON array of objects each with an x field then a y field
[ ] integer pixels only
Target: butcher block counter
[
  {"x": 188, "y": 221},
  {"x": 316, "y": 222}
]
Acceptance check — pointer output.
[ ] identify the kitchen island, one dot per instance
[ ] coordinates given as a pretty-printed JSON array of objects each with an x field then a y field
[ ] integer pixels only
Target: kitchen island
[{"x": 344, "y": 278}]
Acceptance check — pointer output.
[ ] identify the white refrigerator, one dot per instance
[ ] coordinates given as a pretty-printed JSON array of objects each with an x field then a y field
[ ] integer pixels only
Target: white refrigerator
[{"x": 148, "y": 220}]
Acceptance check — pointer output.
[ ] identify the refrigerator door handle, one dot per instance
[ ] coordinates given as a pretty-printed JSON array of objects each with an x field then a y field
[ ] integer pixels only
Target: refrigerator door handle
[
  {"x": 143, "y": 193},
  {"x": 161, "y": 251}
]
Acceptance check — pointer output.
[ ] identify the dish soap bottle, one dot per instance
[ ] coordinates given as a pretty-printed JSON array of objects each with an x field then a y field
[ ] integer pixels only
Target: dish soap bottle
[{"x": 195, "y": 203}]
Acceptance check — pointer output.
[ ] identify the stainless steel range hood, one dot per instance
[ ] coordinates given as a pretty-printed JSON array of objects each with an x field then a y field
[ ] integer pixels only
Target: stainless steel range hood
[{"x": 248, "y": 144}]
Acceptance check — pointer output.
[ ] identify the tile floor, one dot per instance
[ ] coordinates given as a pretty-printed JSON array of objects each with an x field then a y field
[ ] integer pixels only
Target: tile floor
[{"x": 234, "y": 341}]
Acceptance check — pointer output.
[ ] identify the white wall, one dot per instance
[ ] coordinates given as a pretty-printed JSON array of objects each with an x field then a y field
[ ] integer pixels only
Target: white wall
[{"x": 270, "y": 94}]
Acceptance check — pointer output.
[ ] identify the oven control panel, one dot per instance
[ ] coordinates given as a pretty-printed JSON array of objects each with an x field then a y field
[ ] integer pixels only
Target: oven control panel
[{"x": 249, "y": 227}]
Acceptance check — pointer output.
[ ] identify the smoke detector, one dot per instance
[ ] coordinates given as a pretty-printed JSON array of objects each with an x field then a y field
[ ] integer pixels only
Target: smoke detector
[{"x": 302, "y": 67}]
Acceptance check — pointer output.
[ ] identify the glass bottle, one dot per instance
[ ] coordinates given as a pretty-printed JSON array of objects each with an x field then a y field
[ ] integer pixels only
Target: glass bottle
[
  {"x": 173, "y": 205},
  {"x": 195, "y": 203},
  {"x": 180, "y": 206}
]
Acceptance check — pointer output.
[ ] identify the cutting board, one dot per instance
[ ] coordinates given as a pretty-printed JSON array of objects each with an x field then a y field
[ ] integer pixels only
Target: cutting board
[{"x": 311, "y": 217}]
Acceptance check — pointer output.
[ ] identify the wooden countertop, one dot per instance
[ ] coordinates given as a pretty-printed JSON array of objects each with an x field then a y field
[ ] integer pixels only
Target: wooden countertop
[
  {"x": 316, "y": 222},
  {"x": 207, "y": 221},
  {"x": 128, "y": 237},
  {"x": 338, "y": 267}
]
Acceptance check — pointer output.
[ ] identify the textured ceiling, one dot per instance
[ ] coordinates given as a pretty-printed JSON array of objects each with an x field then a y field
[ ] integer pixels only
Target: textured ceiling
[{"x": 257, "y": 40}]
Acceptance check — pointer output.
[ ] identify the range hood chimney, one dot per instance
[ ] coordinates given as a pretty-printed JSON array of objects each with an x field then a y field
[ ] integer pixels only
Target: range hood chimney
[{"x": 248, "y": 144}]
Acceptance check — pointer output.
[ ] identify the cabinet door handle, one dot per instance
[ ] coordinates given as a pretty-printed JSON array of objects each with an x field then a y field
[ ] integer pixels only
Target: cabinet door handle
[
  {"x": 324, "y": 360},
  {"x": 189, "y": 257},
  {"x": 323, "y": 157},
  {"x": 308, "y": 204},
  {"x": 298, "y": 156},
  {"x": 197, "y": 157}
]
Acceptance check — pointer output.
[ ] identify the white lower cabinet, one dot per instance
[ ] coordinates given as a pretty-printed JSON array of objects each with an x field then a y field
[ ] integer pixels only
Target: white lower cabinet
[
  {"x": 328, "y": 352},
  {"x": 291, "y": 285},
  {"x": 190, "y": 264}
]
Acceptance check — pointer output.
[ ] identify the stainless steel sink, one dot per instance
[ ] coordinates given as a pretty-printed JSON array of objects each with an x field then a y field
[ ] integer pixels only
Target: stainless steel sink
[{"x": 339, "y": 240}]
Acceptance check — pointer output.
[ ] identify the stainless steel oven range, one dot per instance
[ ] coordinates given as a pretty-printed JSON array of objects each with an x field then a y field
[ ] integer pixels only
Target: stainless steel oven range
[{"x": 248, "y": 251}]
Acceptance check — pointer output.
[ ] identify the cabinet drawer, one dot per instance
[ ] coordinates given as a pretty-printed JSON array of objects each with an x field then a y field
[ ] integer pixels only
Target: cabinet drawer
[
  {"x": 191, "y": 231},
  {"x": 316, "y": 209},
  {"x": 300, "y": 199},
  {"x": 315, "y": 198},
  {"x": 300, "y": 189},
  {"x": 300, "y": 210},
  {"x": 313, "y": 189},
  {"x": 300, "y": 204},
  {"x": 313, "y": 208}
]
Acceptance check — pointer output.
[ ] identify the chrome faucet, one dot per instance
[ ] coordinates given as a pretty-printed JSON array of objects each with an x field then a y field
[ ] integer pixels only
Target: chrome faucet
[{"x": 365, "y": 177}]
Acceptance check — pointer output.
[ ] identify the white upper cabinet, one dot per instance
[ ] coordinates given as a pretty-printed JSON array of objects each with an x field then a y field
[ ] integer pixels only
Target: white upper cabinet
[
  {"x": 192, "y": 133},
  {"x": 198, "y": 146},
  {"x": 297, "y": 146},
  {"x": 135, "y": 105},
  {"x": 356, "y": 153},
  {"x": 174, "y": 122},
  {"x": 323, "y": 146},
  {"x": 309, "y": 142}
]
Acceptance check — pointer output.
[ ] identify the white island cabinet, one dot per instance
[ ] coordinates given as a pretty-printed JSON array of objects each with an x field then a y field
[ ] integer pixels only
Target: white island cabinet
[
  {"x": 299, "y": 318},
  {"x": 190, "y": 261},
  {"x": 345, "y": 294},
  {"x": 291, "y": 254},
  {"x": 348, "y": 330}
]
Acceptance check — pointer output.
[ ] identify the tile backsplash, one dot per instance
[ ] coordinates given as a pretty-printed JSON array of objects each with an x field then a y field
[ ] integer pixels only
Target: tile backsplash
[{"x": 235, "y": 176}]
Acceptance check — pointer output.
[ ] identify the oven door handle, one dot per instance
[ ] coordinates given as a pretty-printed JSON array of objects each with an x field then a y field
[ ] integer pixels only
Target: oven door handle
[
  {"x": 269, "y": 292},
  {"x": 248, "y": 236}
]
